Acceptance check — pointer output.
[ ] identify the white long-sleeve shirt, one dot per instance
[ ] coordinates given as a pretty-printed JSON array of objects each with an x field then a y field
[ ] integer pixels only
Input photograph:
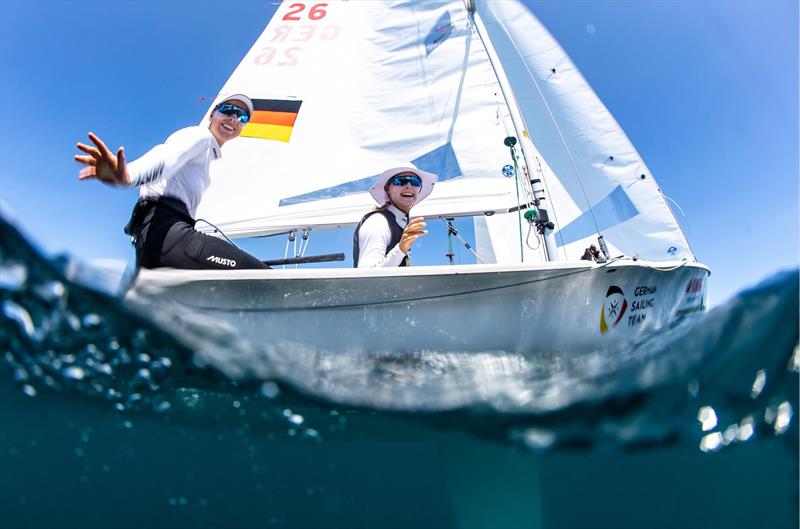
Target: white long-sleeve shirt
[
  {"x": 177, "y": 168},
  {"x": 374, "y": 238}
]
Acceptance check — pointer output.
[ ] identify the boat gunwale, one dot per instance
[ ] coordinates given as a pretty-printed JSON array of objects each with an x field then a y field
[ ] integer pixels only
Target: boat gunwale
[{"x": 172, "y": 276}]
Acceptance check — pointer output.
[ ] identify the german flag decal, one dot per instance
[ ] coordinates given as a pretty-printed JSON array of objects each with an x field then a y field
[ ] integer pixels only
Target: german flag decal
[{"x": 273, "y": 119}]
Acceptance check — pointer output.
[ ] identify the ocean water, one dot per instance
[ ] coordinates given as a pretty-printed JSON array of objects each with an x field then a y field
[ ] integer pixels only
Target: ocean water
[{"x": 108, "y": 420}]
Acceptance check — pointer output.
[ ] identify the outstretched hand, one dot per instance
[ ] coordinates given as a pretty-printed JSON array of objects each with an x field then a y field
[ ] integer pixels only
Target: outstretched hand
[
  {"x": 102, "y": 164},
  {"x": 412, "y": 232}
]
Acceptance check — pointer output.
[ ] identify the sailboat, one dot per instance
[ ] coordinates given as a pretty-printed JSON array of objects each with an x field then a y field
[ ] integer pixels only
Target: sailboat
[{"x": 481, "y": 94}]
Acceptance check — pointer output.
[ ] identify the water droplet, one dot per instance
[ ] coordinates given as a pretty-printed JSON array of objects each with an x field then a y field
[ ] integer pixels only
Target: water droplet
[
  {"x": 20, "y": 375},
  {"x": 143, "y": 358},
  {"x": 79, "y": 452},
  {"x": 538, "y": 439},
  {"x": 29, "y": 390},
  {"x": 711, "y": 442},
  {"x": 13, "y": 276},
  {"x": 237, "y": 404},
  {"x": 311, "y": 433},
  {"x": 163, "y": 406},
  {"x": 707, "y": 417},
  {"x": 730, "y": 434},
  {"x": 73, "y": 321},
  {"x": 783, "y": 418},
  {"x": 758, "y": 383},
  {"x": 794, "y": 362},
  {"x": 18, "y": 314},
  {"x": 296, "y": 419},
  {"x": 50, "y": 291},
  {"x": 91, "y": 320},
  {"x": 270, "y": 389},
  {"x": 746, "y": 429},
  {"x": 74, "y": 372}
]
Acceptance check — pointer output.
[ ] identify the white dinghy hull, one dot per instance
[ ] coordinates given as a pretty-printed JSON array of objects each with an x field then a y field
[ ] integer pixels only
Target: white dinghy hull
[{"x": 527, "y": 309}]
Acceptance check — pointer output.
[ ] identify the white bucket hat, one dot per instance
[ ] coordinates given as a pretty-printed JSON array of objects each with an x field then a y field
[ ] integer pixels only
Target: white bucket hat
[
  {"x": 239, "y": 97},
  {"x": 378, "y": 190}
]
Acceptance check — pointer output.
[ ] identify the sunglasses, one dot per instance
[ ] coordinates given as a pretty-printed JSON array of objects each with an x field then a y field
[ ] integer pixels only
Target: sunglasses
[
  {"x": 232, "y": 110},
  {"x": 414, "y": 180}
]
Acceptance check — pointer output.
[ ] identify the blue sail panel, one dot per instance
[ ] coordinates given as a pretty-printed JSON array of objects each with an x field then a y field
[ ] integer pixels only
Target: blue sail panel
[
  {"x": 441, "y": 161},
  {"x": 614, "y": 209}
]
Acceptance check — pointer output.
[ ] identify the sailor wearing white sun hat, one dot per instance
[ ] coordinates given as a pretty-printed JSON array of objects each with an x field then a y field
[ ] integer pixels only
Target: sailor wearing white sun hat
[{"x": 384, "y": 236}]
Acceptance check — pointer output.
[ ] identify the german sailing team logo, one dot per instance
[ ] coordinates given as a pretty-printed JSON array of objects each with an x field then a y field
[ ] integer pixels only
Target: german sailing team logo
[{"x": 614, "y": 308}]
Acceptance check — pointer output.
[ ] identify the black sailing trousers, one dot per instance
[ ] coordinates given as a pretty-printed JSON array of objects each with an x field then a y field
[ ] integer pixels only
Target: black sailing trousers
[{"x": 164, "y": 236}]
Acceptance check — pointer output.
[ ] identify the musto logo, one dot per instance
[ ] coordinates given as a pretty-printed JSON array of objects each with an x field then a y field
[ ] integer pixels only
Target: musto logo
[
  {"x": 614, "y": 308},
  {"x": 221, "y": 261}
]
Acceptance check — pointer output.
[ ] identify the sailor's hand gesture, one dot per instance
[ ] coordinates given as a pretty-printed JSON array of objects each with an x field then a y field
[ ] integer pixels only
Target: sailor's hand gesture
[
  {"x": 102, "y": 164},
  {"x": 412, "y": 232}
]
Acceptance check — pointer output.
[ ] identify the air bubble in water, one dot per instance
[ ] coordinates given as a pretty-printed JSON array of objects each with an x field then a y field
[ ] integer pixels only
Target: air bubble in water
[
  {"x": 51, "y": 291},
  {"x": 18, "y": 314},
  {"x": 270, "y": 390},
  {"x": 74, "y": 372},
  {"x": 13, "y": 276},
  {"x": 91, "y": 320}
]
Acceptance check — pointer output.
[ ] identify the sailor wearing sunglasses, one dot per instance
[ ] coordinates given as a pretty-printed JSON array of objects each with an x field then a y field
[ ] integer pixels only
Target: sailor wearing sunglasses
[
  {"x": 384, "y": 236},
  {"x": 172, "y": 178}
]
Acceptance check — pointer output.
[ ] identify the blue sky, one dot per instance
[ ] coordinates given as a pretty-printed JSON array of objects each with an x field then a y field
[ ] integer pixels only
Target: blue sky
[{"x": 707, "y": 91}]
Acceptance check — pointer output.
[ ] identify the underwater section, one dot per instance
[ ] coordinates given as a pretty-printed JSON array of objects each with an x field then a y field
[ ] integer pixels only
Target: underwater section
[{"x": 110, "y": 419}]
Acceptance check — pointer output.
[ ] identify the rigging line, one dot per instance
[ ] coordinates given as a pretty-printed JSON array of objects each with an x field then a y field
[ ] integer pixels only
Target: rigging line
[
  {"x": 519, "y": 211},
  {"x": 454, "y": 231},
  {"x": 217, "y": 230},
  {"x": 560, "y": 134},
  {"x": 685, "y": 218}
]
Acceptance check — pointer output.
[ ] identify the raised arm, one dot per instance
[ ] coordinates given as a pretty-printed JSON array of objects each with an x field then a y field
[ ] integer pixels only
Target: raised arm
[{"x": 102, "y": 164}]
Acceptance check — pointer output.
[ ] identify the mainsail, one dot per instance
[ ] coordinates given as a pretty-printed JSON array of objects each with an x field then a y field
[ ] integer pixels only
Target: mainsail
[{"x": 345, "y": 89}]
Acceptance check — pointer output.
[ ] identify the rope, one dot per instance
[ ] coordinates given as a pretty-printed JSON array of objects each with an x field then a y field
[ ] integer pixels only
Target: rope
[
  {"x": 454, "y": 231},
  {"x": 216, "y": 229}
]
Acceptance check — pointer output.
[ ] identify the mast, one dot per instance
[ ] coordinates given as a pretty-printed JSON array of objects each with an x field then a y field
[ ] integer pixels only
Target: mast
[{"x": 541, "y": 218}]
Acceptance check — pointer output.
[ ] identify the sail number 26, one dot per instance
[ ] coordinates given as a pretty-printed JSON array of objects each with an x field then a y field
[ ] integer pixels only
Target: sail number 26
[{"x": 316, "y": 12}]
